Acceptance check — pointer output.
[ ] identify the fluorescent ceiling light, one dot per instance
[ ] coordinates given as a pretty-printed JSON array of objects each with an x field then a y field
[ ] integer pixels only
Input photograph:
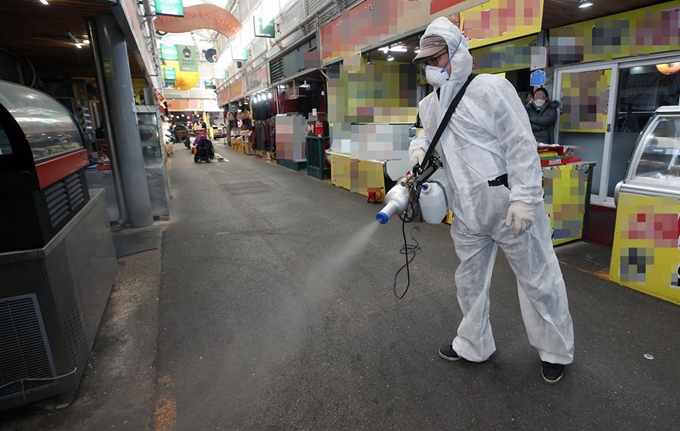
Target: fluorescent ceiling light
[
  {"x": 585, "y": 3},
  {"x": 79, "y": 46},
  {"x": 44, "y": 2},
  {"x": 397, "y": 48}
]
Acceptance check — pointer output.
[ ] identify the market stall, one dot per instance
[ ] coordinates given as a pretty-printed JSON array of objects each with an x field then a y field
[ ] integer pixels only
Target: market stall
[{"x": 646, "y": 251}]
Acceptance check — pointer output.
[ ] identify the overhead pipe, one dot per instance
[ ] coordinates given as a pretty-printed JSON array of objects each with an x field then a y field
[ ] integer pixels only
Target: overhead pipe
[{"x": 113, "y": 152}]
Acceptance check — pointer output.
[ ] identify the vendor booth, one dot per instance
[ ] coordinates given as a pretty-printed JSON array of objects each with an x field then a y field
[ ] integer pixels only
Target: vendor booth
[
  {"x": 646, "y": 251},
  {"x": 57, "y": 260}
]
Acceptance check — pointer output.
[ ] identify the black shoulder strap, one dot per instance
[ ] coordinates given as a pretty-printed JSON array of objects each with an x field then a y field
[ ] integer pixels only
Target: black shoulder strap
[{"x": 446, "y": 119}]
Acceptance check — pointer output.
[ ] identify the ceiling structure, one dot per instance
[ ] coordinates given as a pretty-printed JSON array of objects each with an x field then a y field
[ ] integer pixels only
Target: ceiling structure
[{"x": 40, "y": 33}]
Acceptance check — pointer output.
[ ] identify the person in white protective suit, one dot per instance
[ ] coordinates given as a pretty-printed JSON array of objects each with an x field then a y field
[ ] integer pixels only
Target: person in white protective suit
[{"x": 489, "y": 155}]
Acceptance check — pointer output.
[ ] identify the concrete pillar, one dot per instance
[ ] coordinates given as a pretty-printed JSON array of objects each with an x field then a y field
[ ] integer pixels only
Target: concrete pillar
[{"x": 114, "y": 60}]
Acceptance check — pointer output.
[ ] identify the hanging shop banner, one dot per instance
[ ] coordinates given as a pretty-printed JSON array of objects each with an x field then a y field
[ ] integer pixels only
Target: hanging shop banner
[
  {"x": 169, "y": 52},
  {"x": 169, "y": 7},
  {"x": 500, "y": 20},
  {"x": 188, "y": 61},
  {"x": 199, "y": 17},
  {"x": 236, "y": 90},
  {"x": 646, "y": 251},
  {"x": 239, "y": 52},
  {"x": 219, "y": 72},
  {"x": 257, "y": 79},
  {"x": 380, "y": 20},
  {"x": 513, "y": 55},
  {"x": 224, "y": 97},
  {"x": 169, "y": 76},
  {"x": 209, "y": 85},
  {"x": 640, "y": 32}
]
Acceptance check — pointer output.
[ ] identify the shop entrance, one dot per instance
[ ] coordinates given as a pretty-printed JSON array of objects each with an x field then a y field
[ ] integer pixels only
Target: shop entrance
[{"x": 586, "y": 118}]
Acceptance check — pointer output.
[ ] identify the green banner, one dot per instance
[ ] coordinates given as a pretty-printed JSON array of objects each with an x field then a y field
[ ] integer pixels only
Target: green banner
[
  {"x": 188, "y": 62},
  {"x": 209, "y": 85},
  {"x": 169, "y": 7},
  {"x": 168, "y": 52},
  {"x": 169, "y": 74}
]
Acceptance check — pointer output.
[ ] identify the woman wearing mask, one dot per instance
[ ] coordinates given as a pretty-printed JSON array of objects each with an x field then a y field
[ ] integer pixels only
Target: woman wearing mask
[{"x": 542, "y": 116}]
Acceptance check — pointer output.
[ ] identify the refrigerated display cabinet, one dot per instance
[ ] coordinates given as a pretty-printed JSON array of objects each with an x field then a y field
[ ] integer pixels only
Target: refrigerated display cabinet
[
  {"x": 654, "y": 168},
  {"x": 42, "y": 156},
  {"x": 57, "y": 259}
]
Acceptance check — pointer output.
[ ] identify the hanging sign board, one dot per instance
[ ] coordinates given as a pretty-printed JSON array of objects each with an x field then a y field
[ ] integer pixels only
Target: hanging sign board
[
  {"x": 169, "y": 75},
  {"x": 263, "y": 29},
  {"x": 169, "y": 7},
  {"x": 188, "y": 62},
  {"x": 537, "y": 78},
  {"x": 169, "y": 52}
]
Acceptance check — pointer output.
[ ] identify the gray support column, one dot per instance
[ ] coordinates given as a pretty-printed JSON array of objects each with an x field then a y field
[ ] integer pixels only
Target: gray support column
[
  {"x": 108, "y": 125},
  {"x": 116, "y": 68}
]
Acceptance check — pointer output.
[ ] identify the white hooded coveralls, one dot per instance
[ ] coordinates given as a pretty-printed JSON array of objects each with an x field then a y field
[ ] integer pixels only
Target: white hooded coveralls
[{"x": 490, "y": 135}]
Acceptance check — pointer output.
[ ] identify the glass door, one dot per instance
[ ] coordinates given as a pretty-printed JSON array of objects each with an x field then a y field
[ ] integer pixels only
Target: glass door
[
  {"x": 585, "y": 122},
  {"x": 643, "y": 86}
]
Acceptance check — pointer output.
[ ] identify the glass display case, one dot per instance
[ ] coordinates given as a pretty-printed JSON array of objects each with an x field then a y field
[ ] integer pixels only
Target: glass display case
[
  {"x": 654, "y": 169},
  {"x": 149, "y": 122},
  {"x": 47, "y": 126},
  {"x": 42, "y": 161}
]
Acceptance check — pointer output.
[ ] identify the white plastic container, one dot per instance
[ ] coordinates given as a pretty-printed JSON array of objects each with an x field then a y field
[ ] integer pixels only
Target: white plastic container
[{"x": 436, "y": 197}]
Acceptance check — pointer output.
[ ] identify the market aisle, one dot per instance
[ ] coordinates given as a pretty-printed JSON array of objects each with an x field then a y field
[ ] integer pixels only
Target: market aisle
[{"x": 259, "y": 329}]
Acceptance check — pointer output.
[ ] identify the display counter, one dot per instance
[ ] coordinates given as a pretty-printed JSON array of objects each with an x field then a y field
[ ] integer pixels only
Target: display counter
[
  {"x": 42, "y": 157},
  {"x": 646, "y": 250}
]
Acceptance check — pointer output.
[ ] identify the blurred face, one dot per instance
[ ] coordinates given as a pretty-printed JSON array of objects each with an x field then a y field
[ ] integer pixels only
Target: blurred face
[{"x": 539, "y": 95}]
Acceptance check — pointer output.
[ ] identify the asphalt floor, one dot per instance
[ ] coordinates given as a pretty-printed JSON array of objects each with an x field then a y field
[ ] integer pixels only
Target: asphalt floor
[
  {"x": 270, "y": 305},
  {"x": 277, "y": 311}
]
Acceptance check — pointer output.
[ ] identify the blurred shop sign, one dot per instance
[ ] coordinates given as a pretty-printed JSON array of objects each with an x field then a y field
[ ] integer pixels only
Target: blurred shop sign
[
  {"x": 169, "y": 7},
  {"x": 169, "y": 52},
  {"x": 257, "y": 79},
  {"x": 169, "y": 75}
]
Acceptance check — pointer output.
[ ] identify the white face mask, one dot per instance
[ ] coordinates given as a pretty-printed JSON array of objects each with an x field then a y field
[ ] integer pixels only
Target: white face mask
[
  {"x": 539, "y": 103},
  {"x": 436, "y": 76}
]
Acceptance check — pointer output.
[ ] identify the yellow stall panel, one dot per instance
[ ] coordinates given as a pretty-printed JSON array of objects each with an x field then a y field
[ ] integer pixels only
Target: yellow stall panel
[
  {"x": 646, "y": 252},
  {"x": 341, "y": 171}
]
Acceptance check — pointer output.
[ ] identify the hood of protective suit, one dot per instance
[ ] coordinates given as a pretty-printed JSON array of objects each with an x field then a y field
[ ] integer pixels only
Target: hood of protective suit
[{"x": 461, "y": 63}]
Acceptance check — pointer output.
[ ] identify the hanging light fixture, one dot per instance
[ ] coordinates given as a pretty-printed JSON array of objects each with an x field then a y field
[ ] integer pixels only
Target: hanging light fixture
[
  {"x": 390, "y": 57},
  {"x": 44, "y": 2},
  {"x": 269, "y": 95},
  {"x": 417, "y": 49},
  {"x": 585, "y": 3}
]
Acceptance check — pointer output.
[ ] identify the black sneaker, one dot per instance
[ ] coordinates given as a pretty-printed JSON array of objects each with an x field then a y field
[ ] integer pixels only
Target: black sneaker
[
  {"x": 552, "y": 373},
  {"x": 447, "y": 352}
]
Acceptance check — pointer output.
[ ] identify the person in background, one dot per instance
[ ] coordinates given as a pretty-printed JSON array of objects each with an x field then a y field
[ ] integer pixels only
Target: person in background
[
  {"x": 528, "y": 98},
  {"x": 543, "y": 116},
  {"x": 490, "y": 159}
]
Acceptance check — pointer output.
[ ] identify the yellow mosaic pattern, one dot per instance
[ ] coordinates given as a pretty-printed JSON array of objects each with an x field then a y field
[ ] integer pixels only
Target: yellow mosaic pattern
[
  {"x": 585, "y": 100},
  {"x": 646, "y": 251}
]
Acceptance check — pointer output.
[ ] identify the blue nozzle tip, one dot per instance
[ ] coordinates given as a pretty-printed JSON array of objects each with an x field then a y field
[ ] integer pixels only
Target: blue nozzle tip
[{"x": 382, "y": 217}]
